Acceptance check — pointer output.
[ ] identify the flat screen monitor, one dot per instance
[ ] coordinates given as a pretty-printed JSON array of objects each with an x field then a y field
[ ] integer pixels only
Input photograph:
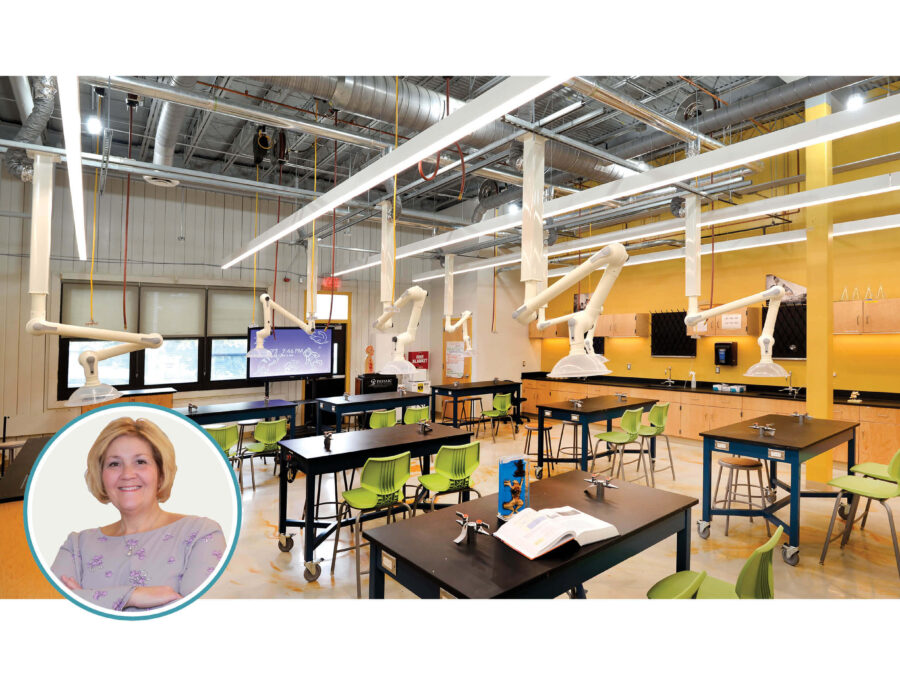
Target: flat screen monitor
[{"x": 294, "y": 354}]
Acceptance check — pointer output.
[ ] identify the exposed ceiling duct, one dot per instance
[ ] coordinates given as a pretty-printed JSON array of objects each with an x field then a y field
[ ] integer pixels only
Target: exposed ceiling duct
[
  {"x": 744, "y": 109},
  {"x": 171, "y": 119},
  {"x": 22, "y": 93},
  {"x": 44, "y": 101},
  {"x": 420, "y": 108}
]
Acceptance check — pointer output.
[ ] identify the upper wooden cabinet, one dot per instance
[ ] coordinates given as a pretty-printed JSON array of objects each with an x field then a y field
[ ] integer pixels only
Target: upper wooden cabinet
[
  {"x": 623, "y": 325},
  {"x": 559, "y": 330},
  {"x": 848, "y": 317},
  {"x": 746, "y": 321},
  {"x": 881, "y": 316}
]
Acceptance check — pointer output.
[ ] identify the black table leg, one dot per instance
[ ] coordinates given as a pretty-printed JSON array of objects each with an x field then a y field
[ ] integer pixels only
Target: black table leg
[
  {"x": 707, "y": 478},
  {"x": 338, "y": 416},
  {"x": 540, "y": 444},
  {"x": 284, "y": 458},
  {"x": 376, "y": 575},
  {"x": 455, "y": 419},
  {"x": 309, "y": 529},
  {"x": 433, "y": 401},
  {"x": 683, "y": 545},
  {"x": 318, "y": 418},
  {"x": 584, "y": 444},
  {"x": 795, "y": 502}
]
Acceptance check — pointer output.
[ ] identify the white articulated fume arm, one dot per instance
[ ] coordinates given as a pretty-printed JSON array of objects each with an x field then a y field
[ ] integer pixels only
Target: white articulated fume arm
[
  {"x": 766, "y": 367},
  {"x": 449, "y": 326},
  {"x": 398, "y": 365},
  {"x": 93, "y": 390},
  {"x": 269, "y": 305},
  {"x": 581, "y": 360}
]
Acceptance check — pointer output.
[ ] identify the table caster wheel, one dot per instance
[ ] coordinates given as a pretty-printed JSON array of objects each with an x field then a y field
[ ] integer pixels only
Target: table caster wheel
[
  {"x": 538, "y": 472},
  {"x": 844, "y": 511},
  {"x": 291, "y": 474},
  {"x": 703, "y": 529},
  {"x": 771, "y": 494},
  {"x": 285, "y": 543},
  {"x": 312, "y": 571},
  {"x": 790, "y": 555}
]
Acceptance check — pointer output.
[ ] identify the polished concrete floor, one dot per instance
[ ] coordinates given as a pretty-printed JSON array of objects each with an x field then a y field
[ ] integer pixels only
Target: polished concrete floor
[{"x": 864, "y": 569}]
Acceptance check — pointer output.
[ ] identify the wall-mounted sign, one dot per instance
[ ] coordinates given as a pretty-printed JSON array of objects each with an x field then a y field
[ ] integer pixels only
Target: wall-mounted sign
[{"x": 419, "y": 359}]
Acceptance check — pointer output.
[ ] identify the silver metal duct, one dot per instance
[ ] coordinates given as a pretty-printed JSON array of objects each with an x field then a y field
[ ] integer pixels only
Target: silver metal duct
[
  {"x": 421, "y": 108},
  {"x": 44, "y": 101},
  {"x": 751, "y": 106},
  {"x": 22, "y": 93},
  {"x": 493, "y": 201},
  {"x": 171, "y": 119}
]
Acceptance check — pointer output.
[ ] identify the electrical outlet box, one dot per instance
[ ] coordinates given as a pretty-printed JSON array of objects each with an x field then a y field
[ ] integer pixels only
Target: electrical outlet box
[
  {"x": 628, "y": 366},
  {"x": 717, "y": 369},
  {"x": 523, "y": 364}
]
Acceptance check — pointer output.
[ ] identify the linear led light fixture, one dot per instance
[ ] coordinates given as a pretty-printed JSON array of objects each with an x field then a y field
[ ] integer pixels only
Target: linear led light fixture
[
  {"x": 846, "y": 123},
  {"x": 832, "y": 193},
  {"x": 506, "y": 96},
  {"x": 70, "y": 106}
]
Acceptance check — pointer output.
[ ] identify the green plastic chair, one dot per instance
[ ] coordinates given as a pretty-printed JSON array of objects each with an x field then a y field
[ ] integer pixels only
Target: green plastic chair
[
  {"x": 453, "y": 469},
  {"x": 870, "y": 488},
  {"x": 380, "y": 488},
  {"x": 873, "y": 470},
  {"x": 502, "y": 404},
  {"x": 756, "y": 580},
  {"x": 657, "y": 418},
  {"x": 416, "y": 414},
  {"x": 380, "y": 419},
  {"x": 267, "y": 435},
  {"x": 617, "y": 440}
]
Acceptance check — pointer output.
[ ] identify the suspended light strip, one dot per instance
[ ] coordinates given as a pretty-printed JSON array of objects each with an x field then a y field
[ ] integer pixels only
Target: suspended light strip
[
  {"x": 70, "y": 106},
  {"x": 846, "y": 123},
  {"x": 506, "y": 96}
]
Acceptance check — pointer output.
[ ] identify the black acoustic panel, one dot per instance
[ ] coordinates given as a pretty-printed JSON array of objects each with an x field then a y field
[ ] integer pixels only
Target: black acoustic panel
[
  {"x": 599, "y": 345},
  {"x": 790, "y": 331},
  {"x": 668, "y": 335}
]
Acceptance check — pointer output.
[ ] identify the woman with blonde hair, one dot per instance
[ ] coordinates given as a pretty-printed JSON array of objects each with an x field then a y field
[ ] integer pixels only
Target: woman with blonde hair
[{"x": 149, "y": 557}]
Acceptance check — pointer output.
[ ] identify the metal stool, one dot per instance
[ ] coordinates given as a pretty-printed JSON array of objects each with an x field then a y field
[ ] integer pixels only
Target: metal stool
[
  {"x": 531, "y": 427},
  {"x": 735, "y": 465},
  {"x": 575, "y": 448}
]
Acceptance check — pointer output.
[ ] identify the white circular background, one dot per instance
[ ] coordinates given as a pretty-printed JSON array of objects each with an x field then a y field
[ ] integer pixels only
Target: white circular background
[{"x": 59, "y": 501}]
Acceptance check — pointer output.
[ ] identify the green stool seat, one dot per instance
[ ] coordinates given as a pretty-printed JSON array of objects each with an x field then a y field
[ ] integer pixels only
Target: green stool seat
[
  {"x": 267, "y": 435},
  {"x": 453, "y": 469},
  {"x": 756, "y": 580},
  {"x": 500, "y": 413},
  {"x": 380, "y": 487},
  {"x": 657, "y": 417},
  {"x": 872, "y": 470}
]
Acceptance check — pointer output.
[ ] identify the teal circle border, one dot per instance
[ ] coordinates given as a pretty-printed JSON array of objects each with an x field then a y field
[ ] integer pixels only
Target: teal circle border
[{"x": 122, "y": 616}]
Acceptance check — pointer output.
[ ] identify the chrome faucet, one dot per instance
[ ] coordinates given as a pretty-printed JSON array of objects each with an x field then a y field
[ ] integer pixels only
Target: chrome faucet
[
  {"x": 669, "y": 381},
  {"x": 792, "y": 391}
]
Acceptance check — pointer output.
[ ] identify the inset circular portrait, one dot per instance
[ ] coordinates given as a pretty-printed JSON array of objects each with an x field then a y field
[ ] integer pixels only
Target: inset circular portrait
[{"x": 132, "y": 511}]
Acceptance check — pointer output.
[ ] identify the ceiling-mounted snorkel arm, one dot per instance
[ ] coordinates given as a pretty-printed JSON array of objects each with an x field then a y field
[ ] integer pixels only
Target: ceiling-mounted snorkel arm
[
  {"x": 463, "y": 322},
  {"x": 415, "y": 295},
  {"x": 269, "y": 305},
  {"x": 449, "y": 326}
]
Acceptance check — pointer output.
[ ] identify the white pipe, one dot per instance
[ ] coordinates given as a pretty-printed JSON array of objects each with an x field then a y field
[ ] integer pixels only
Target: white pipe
[
  {"x": 448, "y": 285},
  {"x": 269, "y": 306},
  {"x": 768, "y": 294},
  {"x": 41, "y": 210},
  {"x": 387, "y": 262},
  {"x": 416, "y": 295}
]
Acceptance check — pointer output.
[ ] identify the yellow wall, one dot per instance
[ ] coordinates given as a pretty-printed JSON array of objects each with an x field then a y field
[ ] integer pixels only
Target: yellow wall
[{"x": 870, "y": 260}]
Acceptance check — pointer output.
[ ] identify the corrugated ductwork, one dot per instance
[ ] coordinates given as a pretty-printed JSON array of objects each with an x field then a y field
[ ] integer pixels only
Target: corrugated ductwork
[
  {"x": 752, "y": 106},
  {"x": 494, "y": 201},
  {"x": 421, "y": 108},
  {"x": 171, "y": 119},
  {"x": 44, "y": 101}
]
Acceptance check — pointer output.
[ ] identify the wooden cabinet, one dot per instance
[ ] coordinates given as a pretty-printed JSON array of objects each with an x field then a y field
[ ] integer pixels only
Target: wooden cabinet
[
  {"x": 742, "y": 322},
  {"x": 631, "y": 325},
  {"x": 879, "y": 434},
  {"x": 757, "y": 407},
  {"x": 559, "y": 330},
  {"x": 529, "y": 392},
  {"x": 846, "y": 413},
  {"x": 693, "y": 421},
  {"x": 881, "y": 316},
  {"x": 162, "y": 398},
  {"x": 604, "y": 327},
  {"x": 848, "y": 317}
]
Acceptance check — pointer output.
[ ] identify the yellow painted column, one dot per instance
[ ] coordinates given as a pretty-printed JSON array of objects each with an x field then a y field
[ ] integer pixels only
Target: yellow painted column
[{"x": 820, "y": 291}]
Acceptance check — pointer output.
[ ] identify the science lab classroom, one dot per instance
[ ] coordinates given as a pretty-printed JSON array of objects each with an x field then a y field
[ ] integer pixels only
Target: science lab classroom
[{"x": 576, "y": 337}]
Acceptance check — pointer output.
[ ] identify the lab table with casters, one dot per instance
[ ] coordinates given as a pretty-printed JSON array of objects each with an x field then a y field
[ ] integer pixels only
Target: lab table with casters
[
  {"x": 345, "y": 405},
  {"x": 348, "y": 450},
  {"x": 242, "y": 410},
  {"x": 419, "y": 553},
  {"x": 796, "y": 439},
  {"x": 584, "y": 413},
  {"x": 476, "y": 389}
]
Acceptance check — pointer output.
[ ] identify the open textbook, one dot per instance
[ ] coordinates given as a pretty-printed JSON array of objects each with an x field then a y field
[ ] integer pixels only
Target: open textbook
[{"x": 534, "y": 533}]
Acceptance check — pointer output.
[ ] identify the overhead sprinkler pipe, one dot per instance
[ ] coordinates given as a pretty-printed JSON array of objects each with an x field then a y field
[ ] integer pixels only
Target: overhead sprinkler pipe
[
  {"x": 93, "y": 391},
  {"x": 398, "y": 365},
  {"x": 268, "y": 307}
]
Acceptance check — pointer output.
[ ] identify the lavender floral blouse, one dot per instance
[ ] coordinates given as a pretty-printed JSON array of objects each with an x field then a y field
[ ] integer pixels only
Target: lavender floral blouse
[{"x": 181, "y": 555}]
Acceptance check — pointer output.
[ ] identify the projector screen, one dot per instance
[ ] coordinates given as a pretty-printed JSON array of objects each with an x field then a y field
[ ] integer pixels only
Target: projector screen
[{"x": 294, "y": 354}]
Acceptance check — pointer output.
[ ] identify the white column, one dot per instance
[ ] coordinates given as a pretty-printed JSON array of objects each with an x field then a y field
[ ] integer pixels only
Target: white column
[
  {"x": 41, "y": 211},
  {"x": 534, "y": 262}
]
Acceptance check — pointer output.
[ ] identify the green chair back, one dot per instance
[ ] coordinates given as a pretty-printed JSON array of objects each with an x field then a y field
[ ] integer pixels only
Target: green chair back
[
  {"x": 414, "y": 415},
  {"x": 756, "y": 579},
  {"x": 502, "y": 402},
  {"x": 691, "y": 589},
  {"x": 226, "y": 437},
  {"x": 631, "y": 421},
  {"x": 894, "y": 467},
  {"x": 658, "y": 414},
  {"x": 458, "y": 463},
  {"x": 269, "y": 433},
  {"x": 382, "y": 418},
  {"x": 385, "y": 477}
]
